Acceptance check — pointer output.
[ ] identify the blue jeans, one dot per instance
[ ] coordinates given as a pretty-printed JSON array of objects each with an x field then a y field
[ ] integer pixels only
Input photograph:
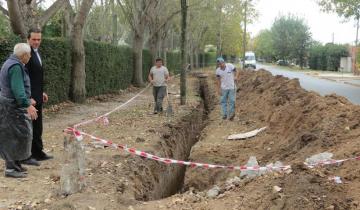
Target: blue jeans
[{"x": 226, "y": 95}]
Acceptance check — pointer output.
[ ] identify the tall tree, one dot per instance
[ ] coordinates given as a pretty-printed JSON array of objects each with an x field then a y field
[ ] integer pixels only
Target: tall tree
[
  {"x": 4, "y": 21},
  {"x": 291, "y": 38},
  {"x": 24, "y": 14},
  {"x": 225, "y": 30},
  {"x": 347, "y": 9},
  {"x": 198, "y": 12},
  {"x": 136, "y": 14},
  {"x": 78, "y": 75},
  {"x": 344, "y": 8},
  {"x": 159, "y": 19},
  {"x": 263, "y": 45}
]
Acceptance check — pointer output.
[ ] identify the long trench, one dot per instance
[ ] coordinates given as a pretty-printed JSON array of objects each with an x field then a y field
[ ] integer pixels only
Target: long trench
[{"x": 153, "y": 180}]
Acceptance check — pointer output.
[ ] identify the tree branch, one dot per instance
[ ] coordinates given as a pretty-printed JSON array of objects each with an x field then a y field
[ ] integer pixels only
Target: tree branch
[
  {"x": 69, "y": 18},
  {"x": 68, "y": 6},
  {"x": 4, "y": 11},
  {"x": 51, "y": 11},
  {"x": 128, "y": 15},
  {"x": 163, "y": 24},
  {"x": 16, "y": 19},
  {"x": 82, "y": 14}
]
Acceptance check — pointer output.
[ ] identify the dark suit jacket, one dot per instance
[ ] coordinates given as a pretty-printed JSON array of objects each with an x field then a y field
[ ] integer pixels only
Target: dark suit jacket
[{"x": 36, "y": 74}]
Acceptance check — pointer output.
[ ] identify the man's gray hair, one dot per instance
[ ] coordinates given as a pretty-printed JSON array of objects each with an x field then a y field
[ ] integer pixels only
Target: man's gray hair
[{"x": 21, "y": 48}]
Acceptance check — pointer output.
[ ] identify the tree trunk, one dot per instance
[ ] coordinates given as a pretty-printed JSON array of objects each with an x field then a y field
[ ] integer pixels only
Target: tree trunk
[
  {"x": 244, "y": 38},
  {"x": 158, "y": 49},
  {"x": 138, "y": 60},
  {"x": 153, "y": 48},
  {"x": 197, "y": 63},
  {"x": 78, "y": 75},
  {"x": 183, "y": 53},
  {"x": 23, "y": 15},
  {"x": 114, "y": 23},
  {"x": 219, "y": 33},
  {"x": 357, "y": 31},
  {"x": 218, "y": 44},
  {"x": 165, "y": 56},
  {"x": 172, "y": 40},
  {"x": 68, "y": 21},
  {"x": 191, "y": 52},
  {"x": 204, "y": 62}
]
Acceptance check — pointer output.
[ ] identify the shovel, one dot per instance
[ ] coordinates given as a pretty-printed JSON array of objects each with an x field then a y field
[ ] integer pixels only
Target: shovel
[{"x": 169, "y": 109}]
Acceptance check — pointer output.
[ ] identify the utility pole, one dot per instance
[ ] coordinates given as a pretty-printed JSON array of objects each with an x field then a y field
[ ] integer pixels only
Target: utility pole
[
  {"x": 244, "y": 36},
  {"x": 355, "y": 70},
  {"x": 333, "y": 37},
  {"x": 357, "y": 32},
  {"x": 183, "y": 52}
]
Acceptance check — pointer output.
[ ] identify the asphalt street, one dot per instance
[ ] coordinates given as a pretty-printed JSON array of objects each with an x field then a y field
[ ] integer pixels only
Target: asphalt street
[{"x": 321, "y": 86}]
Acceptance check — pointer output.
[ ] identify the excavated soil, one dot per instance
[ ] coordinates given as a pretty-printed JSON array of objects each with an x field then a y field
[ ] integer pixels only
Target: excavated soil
[{"x": 299, "y": 124}]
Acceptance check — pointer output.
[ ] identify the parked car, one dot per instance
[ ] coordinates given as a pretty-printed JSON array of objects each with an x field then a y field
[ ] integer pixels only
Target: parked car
[
  {"x": 282, "y": 63},
  {"x": 261, "y": 60}
]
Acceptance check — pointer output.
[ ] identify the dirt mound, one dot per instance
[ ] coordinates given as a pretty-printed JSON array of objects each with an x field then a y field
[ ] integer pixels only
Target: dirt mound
[{"x": 300, "y": 124}]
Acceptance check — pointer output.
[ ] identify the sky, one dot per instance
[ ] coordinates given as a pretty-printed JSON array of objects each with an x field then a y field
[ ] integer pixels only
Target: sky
[{"x": 322, "y": 25}]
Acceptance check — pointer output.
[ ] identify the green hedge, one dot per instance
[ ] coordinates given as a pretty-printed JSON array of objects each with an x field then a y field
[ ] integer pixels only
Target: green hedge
[
  {"x": 173, "y": 62},
  {"x": 56, "y": 57},
  {"x": 7, "y": 46},
  {"x": 327, "y": 57},
  {"x": 147, "y": 64},
  {"x": 57, "y": 65},
  {"x": 108, "y": 67},
  {"x": 210, "y": 58}
]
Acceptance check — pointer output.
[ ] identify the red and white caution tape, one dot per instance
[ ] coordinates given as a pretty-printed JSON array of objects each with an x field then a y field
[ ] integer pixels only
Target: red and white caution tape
[
  {"x": 172, "y": 161},
  {"x": 104, "y": 118},
  {"x": 79, "y": 136},
  {"x": 329, "y": 162}
]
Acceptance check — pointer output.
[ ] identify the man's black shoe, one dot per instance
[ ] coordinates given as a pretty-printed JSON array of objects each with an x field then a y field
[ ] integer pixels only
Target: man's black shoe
[
  {"x": 31, "y": 161},
  {"x": 20, "y": 168},
  {"x": 14, "y": 174},
  {"x": 44, "y": 157},
  {"x": 232, "y": 117}
]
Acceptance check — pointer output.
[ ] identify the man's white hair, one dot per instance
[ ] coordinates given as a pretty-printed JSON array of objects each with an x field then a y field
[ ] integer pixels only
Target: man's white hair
[{"x": 21, "y": 48}]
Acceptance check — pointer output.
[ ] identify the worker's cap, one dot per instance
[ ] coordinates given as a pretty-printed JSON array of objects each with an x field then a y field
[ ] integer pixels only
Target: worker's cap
[{"x": 220, "y": 60}]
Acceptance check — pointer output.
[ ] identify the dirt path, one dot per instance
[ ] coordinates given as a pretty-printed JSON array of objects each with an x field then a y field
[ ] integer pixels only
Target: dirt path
[
  {"x": 42, "y": 182},
  {"x": 133, "y": 125}
]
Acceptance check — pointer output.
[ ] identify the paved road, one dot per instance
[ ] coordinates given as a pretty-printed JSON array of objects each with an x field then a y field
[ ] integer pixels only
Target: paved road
[{"x": 321, "y": 86}]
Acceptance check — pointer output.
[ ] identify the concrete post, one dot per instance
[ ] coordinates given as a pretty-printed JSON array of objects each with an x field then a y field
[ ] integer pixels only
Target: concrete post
[{"x": 72, "y": 179}]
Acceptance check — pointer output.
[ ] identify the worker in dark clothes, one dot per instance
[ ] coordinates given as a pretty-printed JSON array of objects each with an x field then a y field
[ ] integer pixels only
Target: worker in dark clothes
[
  {"x": 16, "y": 112},
  {"x": 36, "y": 74}
]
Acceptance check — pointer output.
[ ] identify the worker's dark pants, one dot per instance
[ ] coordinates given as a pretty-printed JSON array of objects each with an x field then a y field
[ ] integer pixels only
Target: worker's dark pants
[
  {"x": 159, "y": 94},
  {"x": 37, "y": 143}
]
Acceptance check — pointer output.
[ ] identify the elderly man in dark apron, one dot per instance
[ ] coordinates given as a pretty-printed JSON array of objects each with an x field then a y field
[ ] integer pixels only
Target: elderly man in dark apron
[{"x": 16, "y": 111}]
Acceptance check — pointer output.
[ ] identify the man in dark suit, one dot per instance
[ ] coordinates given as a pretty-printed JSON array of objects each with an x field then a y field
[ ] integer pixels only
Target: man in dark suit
[{"x": 36, "y": 75}]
